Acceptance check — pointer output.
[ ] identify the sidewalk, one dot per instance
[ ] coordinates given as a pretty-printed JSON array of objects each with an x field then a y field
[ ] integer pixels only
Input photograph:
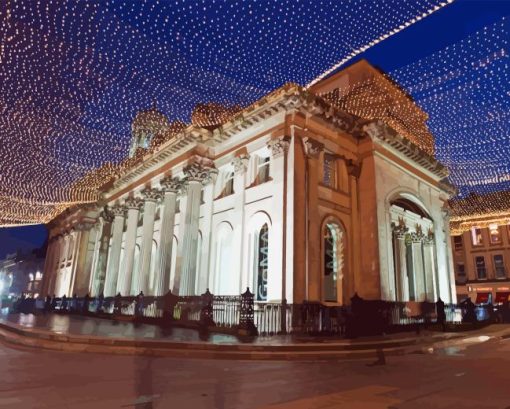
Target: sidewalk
[{"x": 73, "y": 333}]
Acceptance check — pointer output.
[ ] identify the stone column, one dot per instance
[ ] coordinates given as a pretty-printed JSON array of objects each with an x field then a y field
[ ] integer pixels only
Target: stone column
[
  {"x": 95, "y": 254},
  {"x": 112, "y": 273},
  {"x": 277, "y": 268},
  {"x": 313, "y": 233},
  {"x": 401, "y": 279},
  {"x": 429, "y": 264},
  {"x": 102, "y": 258},
  {"x": 49, "y": 266},
  {"x": 240, "y": 164},
  {"x": 124, "y": 284},
  {"x": 198, "y": 171},
  {"x": 204, "y": 253},
  {"x": 419, "y": 275},
  {"x": 77, "y": 284},
  {"x": 151, "y": 197},
  {"x": 170, "y": 188}
]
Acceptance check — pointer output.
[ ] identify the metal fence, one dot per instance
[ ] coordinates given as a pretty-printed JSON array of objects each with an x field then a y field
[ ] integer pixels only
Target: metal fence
[{"x": 241, "y": 312}]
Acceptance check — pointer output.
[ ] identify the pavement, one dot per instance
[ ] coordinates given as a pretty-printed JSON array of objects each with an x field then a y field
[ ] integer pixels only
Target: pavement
[
  {"x": 93, "y": 335},
  {"x": 472, "y": 374}
]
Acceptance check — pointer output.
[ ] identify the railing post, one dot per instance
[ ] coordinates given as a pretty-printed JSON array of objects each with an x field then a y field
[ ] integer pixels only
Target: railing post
[
  {"x": 246, "y": 315},
  {"x": 206, "y": 312},
  {"x": 117, "y": 304},
  {"x": 139, "y": 305},
  {"x": 169, "y": 302},
  {"x": 85, "y": 306}
]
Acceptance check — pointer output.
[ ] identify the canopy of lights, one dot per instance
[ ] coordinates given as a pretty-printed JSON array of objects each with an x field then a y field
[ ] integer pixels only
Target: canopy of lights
[{"x": 73, "y": 75}]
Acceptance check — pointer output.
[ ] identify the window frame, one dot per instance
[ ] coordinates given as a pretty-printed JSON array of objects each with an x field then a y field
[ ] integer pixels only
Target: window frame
[
  {"x": 498, "y": 277},
  {"x": 473, "y": 232},
  {"x": 478, "y": 270},
  {"x": 333, "y": 170}
]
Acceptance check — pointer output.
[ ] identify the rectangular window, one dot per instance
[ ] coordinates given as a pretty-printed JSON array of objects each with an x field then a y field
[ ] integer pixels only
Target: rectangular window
[
  {"x": 329, "y": 176},
  {"x": 457, "y": 241},
  {"x": 263, "y": 170},
  {"x": 481, "y": 270},
  {"x": 177, "y": 206},
  {"x": 499, "y": 266},
  {"x": 494, "y": 234},
  {"x": 461, "y": 270},
  {"x": 476, "y": 236}
]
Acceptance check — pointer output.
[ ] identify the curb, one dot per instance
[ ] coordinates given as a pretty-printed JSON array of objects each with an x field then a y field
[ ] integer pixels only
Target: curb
[{"x": 17, "y": 335}]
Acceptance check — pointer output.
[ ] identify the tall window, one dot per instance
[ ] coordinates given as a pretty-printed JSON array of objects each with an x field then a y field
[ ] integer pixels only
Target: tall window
[
  {"x": 229, "y": 184},
  {"x": 494, "y": 234},
  {"x": 226, "y": 278},
  {"x": 461, "y": 272},
  {"x": 329, "y": 173},
  {"x": 262, "y": 262},
  {"x": 476, "y": 236},
  {"x": 481, "y": 270},
  {"x": 333, "y": 259},
  {"x": 499, "y": 266},
  {"x": 263, "y": 169},
  {"x": 457, "y": 241}
]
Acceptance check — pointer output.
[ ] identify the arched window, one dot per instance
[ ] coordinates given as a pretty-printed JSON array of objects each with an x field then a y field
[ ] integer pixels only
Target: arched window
[
  {"x": 261, "y": 262},
  {"x": 226, "y": 281},
  {"x": 333, "y": 261}
]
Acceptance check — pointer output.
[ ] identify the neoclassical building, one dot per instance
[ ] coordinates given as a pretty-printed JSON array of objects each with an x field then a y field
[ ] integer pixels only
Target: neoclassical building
[{"x": 299, "y": 196}]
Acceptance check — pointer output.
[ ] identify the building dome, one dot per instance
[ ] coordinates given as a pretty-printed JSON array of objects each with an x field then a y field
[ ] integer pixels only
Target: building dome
[{"x": 144, "y": 128}]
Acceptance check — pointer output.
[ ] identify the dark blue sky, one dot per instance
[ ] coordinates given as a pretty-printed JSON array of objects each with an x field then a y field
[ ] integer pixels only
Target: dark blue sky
[{"x": 111, "y": 111}]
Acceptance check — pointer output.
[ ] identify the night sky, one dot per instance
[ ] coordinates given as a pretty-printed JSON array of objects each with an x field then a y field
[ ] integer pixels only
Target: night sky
[{"x": 422, "y": 40}]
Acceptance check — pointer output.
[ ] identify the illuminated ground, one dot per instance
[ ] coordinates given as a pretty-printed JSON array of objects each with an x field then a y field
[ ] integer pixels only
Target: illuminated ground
[{"x": 476, "y": 377}]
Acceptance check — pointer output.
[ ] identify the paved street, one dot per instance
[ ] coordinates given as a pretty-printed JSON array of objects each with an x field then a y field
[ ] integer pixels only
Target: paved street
[{"x": 453, "y": 377}]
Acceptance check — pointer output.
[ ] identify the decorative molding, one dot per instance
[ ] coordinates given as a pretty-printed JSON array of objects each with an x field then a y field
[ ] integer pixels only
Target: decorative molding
[
  {"x": 312, "y": 147},
  {"x": 279, "y": 146}
]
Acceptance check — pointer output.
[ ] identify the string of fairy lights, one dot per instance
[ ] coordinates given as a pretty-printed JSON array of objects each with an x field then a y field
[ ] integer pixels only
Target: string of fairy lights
[{"x": 74, "y": 74}]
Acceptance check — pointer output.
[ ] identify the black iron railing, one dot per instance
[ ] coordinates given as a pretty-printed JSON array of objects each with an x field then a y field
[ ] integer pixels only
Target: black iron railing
[{"x": 241, "y": 312}]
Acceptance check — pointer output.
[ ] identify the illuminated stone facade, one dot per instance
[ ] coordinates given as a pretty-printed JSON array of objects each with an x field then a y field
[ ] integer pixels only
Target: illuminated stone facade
[{"x": 291, "y": 197}]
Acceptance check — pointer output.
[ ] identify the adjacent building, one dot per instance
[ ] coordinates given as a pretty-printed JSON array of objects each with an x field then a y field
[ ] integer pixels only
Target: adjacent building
[
  {"x": 302, "y": 195},
  {"x": 480, "y": 231}
]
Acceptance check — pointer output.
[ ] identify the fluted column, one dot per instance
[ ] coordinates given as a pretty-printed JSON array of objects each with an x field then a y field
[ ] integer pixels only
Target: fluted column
[
  {"x": 112, "y": 273},
  {"x": 80, "y": 275},
  {"x": 198, "y": 171},
  {"x": 102, "y": 259},
  {"x": 402, "y": 284},
  {"x": 418, "y": 273},
  {"x": 429, "y": 264},
  {"x": 151, "y": 198},
  {"x": 170, "y": 188},
  {"x": 124, "y": 284}
]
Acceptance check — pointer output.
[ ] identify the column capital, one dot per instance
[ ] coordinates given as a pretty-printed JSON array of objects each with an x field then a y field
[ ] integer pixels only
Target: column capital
[
  {"x": 151, "y": 195},
  {"x": 171, "y": 184},
  {"x": 118, "y": 211},
  {"x": 240, "y": 163},
  {"x": 106, "y": 215},
  {"x": 312, "y": 147},
  {"x": 278, "y": 146},
  {"x": 200, "y": 169},
  {"x": 84, "y": 226},
  {"x": 134, "y": 203},
  {"x": 400, "y": 229}
]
